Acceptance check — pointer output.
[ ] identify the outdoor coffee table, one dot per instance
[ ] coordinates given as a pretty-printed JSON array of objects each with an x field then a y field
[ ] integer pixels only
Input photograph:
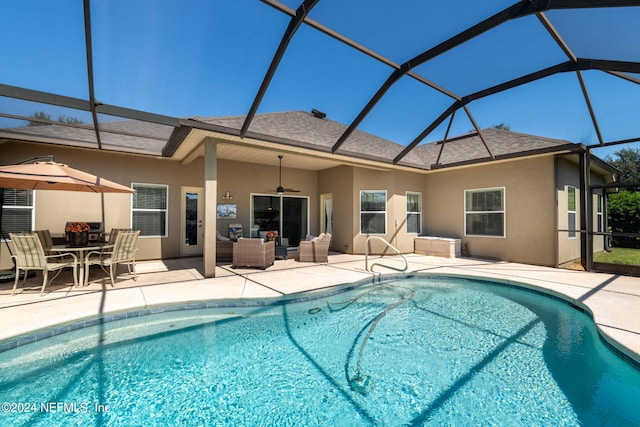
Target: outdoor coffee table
[{"x": 81, "y": 251}]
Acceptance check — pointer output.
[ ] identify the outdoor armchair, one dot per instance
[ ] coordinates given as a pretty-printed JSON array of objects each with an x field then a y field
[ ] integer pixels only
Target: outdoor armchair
[
  {"x": 224, "y": 251},
  {"x": 123, "y": 252},
  {"x": 114, "y": 234},
  {"x": 253, "y": 253},
  {"x": 316, "y": 249},
  {"x": 224, "y": 248},
  {"x": 30, "y": 256},
  {"x": 45, "y": 239},
  {"x": 47, "y": 244}
]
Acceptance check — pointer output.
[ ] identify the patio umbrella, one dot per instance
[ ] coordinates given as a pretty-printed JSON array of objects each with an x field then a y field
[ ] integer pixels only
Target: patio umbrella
[
  {"x": 50, "y": 175},
  {"x": 56, "y": 176}
]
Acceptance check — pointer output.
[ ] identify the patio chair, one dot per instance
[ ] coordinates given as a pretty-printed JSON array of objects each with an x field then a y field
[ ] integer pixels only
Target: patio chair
[
  {"x": 30, "y": 255},
  {"x": 45, "y": 239},
  {"x": 316, "y": 249},
  {"x": 253, "y": 253},
  {"x": 114, "y": 234},
  {"x": 47, "y": 244},
  {"x": 123, "y": 252}
]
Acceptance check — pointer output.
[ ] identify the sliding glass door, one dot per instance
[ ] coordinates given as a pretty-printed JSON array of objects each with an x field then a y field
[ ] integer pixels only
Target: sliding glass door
[
  {"x": 287, "y": 215},
  {"x": 294, "y": 219}
]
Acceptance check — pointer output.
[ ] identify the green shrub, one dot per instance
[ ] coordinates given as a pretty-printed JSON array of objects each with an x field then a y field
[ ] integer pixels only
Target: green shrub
[{"x": 624, "y": 217}]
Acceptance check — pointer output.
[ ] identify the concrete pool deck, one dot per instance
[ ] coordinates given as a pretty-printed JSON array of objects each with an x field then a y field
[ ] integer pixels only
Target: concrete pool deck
[{"x": 612, "y": 300}]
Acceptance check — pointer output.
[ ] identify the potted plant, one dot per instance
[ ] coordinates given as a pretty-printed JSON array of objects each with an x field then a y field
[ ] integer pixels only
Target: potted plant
[
  {"x": 272, "y": 235},
  {"x": 77, "y": 234}
]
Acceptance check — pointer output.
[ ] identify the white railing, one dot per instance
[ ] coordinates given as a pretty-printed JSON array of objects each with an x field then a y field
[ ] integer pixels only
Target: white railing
[{"x": 366, "y": 255}]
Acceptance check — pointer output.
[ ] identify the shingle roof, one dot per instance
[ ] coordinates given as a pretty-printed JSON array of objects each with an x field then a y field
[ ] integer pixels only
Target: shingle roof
[
  {"x": 125, "y": 135},
  {"x": 500, "y": 144},
  {"x": 304, "y": 127},
  {"x": 301, "y": 128}
]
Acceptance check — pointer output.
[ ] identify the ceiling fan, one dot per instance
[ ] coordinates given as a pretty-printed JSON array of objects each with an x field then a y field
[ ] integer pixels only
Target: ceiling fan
[{"x": 281, "y": 189}]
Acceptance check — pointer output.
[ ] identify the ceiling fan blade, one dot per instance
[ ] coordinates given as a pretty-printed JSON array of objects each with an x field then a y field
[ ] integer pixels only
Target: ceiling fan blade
[{"x": 280, "y": 190}]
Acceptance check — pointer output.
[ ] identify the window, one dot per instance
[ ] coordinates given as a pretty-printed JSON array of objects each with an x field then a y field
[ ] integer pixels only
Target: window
[
  {"x": 484, "y": 212},
  {"x": 149, "y": 209},
  {"x": 373, "y": 212},
  {"x": 17, "y": 211},
  {"x": 414, "y": 212},
  {"x": 571, "y": 212},
  {"x": 599, "y": 213}
]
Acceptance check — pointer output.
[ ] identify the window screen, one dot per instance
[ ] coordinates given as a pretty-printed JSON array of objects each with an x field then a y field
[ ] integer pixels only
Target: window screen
[
  {"x": 414, "y": 213},
  {"x": 571, "y": 211},
  {"x": 17, "y": 211},
  {"x": 485, "y": 212},
  {"x": 149, "y": 209},
  {"x": 373, "y": 212}
]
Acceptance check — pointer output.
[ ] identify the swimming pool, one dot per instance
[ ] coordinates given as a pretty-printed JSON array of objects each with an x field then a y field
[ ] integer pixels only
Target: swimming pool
[{"x": 412, "y": 351}]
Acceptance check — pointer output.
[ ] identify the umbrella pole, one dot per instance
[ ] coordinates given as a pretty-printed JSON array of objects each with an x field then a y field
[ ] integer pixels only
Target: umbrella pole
[{"x": 102, "y": 206}]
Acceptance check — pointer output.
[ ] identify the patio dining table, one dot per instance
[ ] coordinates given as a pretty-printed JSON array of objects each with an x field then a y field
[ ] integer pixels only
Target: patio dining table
[{"x": 81, "y": 252}]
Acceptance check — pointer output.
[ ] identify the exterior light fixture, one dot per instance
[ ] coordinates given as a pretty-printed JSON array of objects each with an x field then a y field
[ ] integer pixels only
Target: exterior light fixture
[{"x": 227, "y": 196}]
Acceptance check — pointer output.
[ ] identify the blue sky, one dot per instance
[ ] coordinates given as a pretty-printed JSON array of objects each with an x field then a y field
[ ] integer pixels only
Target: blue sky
[{"x": 208, "y": 58}]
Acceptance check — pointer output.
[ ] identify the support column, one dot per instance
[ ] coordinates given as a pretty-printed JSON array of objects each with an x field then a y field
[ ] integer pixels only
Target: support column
[
  {"x": 210, "y": 200},
  {"x": 586, "y": 211},
  {"x": 605, "y": 218}
]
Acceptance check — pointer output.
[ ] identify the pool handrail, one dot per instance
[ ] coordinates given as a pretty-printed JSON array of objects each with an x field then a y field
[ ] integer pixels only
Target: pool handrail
[{"x": 366, "y": 255}]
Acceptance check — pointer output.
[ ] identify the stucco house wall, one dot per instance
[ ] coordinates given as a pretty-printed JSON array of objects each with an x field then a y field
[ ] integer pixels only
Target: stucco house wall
[
  {"x": 338, "y": 182},
  {"x": 243, "y": 180},
  {"x": 345, "y": 184},
  {"x": 529, "y": 208},
  {"x": 568, "y": 175},
  {"x": 535, "y": 200},
  {"x": 54, "y": 208},
  {"x": 396, "y": 184}
]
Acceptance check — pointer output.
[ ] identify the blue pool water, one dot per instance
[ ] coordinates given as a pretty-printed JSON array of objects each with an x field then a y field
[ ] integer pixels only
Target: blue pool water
[{"x": 417, "y": 351}]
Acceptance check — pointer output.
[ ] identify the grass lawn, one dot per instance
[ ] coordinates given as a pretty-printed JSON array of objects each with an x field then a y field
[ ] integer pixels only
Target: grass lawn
[{"x": 619, "y": 256}]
